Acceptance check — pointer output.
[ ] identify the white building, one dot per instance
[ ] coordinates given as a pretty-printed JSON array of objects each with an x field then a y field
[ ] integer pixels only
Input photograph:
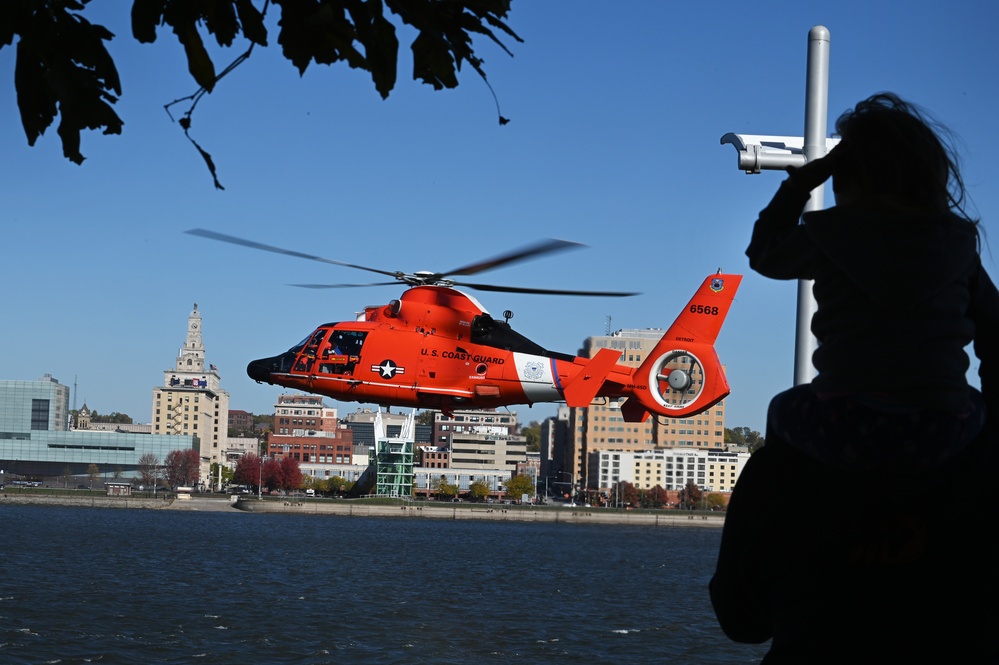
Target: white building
[{"x": 669, "y": 468}]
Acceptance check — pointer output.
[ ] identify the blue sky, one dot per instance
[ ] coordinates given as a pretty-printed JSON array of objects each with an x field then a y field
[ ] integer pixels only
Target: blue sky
[{"x": 614, "y": 136}]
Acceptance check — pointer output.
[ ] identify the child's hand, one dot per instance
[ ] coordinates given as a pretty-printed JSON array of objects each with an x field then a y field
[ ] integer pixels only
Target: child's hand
[{"x": 815, "y": 172}]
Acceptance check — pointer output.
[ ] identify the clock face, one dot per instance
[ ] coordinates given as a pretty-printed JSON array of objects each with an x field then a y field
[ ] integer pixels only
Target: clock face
[{"x": 194, "y": 326}]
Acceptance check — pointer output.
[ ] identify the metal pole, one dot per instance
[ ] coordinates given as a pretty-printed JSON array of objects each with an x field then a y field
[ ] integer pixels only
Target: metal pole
[{"x": 816, "y": 124}]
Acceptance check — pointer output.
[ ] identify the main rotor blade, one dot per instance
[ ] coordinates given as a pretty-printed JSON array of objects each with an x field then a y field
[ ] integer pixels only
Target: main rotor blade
[
  {"x": 214, "y": 235},
  {"x": 522, "y": 254},
  {"x": 545, "y": 292},
  {"x": 343, "y": 286}
]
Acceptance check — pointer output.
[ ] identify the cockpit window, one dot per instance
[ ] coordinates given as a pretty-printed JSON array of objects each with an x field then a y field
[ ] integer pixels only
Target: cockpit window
[{"x": 298, "y": 347}]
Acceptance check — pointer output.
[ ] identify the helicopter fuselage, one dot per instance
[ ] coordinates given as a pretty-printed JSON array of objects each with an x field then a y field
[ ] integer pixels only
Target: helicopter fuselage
[{"x": 435, "y": 347}]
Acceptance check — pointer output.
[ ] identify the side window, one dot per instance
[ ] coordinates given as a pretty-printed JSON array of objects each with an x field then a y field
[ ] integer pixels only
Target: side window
[{"x": 342, "y": 352}]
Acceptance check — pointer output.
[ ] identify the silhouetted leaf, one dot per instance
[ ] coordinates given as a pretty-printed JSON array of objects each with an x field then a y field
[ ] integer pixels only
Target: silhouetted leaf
[
  {"x": 433, "y": 63},
  {"x": 198, "y": 62},
  {"x": 381, "y": 47},
  {"x": 220, "y": 20},
  {"x": 252, "y": 21},
  {"x": 62, "y": 67},
  {"x": 146, "y": 15},
  {"x": 317, "y": 30}
]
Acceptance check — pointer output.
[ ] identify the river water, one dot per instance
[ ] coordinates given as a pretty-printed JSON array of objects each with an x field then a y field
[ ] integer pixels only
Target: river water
[{"x": 84, "y": 585}]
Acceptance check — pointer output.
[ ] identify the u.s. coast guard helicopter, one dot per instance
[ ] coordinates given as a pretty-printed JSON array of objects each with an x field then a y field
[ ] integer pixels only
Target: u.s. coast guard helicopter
[{"x": 436, "y": 347}]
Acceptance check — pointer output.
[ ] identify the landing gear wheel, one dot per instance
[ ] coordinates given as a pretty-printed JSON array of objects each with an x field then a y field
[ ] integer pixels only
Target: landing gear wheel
[{"x": 677, "y": 379}]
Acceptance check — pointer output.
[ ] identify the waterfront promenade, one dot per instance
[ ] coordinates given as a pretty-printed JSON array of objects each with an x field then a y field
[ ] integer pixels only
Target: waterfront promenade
[{"x": 350, "y": 508}]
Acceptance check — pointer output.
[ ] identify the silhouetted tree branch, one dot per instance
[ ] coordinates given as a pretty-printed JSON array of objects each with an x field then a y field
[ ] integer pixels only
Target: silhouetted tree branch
[{"x": 63, "y": 67}]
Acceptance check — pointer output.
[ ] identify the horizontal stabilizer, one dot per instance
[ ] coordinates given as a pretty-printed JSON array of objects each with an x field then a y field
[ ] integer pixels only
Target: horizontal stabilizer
[{"x": 583, "y": 388}]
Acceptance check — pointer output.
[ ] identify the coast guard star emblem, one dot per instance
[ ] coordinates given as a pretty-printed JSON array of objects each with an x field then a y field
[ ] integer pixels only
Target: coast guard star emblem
[{"x": 388, "y": 369}]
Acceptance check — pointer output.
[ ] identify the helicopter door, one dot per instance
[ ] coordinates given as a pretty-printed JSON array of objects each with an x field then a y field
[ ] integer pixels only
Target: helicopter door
[{"x": 342, "y": 352}]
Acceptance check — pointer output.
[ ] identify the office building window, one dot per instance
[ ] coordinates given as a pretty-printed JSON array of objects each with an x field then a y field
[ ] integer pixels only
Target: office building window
[{"x": 39, "y": 414}]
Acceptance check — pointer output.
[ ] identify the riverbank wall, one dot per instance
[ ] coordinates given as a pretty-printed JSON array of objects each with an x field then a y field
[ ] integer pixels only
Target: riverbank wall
[
  {"x": 346, "y": 508},
  {"x": 119, "y": 502},
  {"x": 573, "y": 515}
]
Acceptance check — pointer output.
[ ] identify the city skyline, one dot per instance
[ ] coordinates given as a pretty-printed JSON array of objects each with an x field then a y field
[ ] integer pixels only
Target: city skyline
[{"x": 613, "y": 141}]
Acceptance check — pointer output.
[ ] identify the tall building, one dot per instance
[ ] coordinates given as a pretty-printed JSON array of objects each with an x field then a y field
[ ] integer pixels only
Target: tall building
[
  {"x": 46, "y": 400},
  {"x": 601, "y": 426},
  {"x": 191, "y": 401},
  {"x": 555, "y": 438}
]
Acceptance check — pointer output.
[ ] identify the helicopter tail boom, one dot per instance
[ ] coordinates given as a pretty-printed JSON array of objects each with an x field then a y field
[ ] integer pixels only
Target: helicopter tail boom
[{"x": 683, "y": 374}]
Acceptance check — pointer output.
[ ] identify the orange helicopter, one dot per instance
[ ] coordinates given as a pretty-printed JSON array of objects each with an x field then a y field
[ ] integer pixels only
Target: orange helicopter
[{"x": 436, "y": 347}]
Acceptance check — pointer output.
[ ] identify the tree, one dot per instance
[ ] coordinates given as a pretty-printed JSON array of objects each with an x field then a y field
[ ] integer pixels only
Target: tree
[
  {"x": 149, "y": 469},
  {"x": 291, "y": 474},
  {"x": 182, "y": 467},
  {"x": 478, "y": 490},
  {"x": 272, "y": 474},
  {"x": 336, "y": 484},
  {"x": 247, "y": 470},
  {"x": 426, "y": 417},
  {"x": 313, "y": 483},
  {"x": 517, "y": 486},
  {"x": 657, "y": 497},
  {"x": 715, "y": 501},
  {"x": 533, "y": 435},
  {"x": 690, "y": 496},
  {"x": 625, "y": 493},
  {"x": 743, "y": 436},
  {"x": 94, "y": 473},
  {"x": 63, "y": 66},
  {"x": 445, "y": 491}
]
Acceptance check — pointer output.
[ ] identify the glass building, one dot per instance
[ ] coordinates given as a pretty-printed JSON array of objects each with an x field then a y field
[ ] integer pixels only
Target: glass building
[{"x": 36, "y": 439}]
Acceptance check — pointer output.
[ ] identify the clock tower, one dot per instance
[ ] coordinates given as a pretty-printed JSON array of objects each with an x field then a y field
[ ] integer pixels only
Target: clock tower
[
  {"x": 192, "y": 355},
  {"x": 191, "y": 401}
]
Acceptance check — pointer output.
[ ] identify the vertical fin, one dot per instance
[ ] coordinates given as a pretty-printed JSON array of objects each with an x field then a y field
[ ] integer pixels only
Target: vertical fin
[
  {"x": 702, "y": 318},
  {"x": 692, "y": 334}
]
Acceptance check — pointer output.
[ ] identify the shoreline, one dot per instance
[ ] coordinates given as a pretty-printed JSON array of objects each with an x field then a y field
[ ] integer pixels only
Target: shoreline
[{"x": 347, "y": 508}]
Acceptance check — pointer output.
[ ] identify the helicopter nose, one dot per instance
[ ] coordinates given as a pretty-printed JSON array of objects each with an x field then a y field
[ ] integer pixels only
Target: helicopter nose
[{"x": 260, "y": 370}]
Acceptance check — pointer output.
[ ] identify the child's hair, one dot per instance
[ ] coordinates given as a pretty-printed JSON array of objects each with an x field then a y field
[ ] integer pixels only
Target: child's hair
[{"x": 894, "y": 154}]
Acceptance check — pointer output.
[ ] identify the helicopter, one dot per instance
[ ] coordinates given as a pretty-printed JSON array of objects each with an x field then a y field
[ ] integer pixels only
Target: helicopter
[{"x": 437, "y": 347}]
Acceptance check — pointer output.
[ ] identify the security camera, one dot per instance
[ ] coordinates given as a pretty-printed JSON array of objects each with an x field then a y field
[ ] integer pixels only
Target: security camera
[{"x": 773, "y": 153}]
